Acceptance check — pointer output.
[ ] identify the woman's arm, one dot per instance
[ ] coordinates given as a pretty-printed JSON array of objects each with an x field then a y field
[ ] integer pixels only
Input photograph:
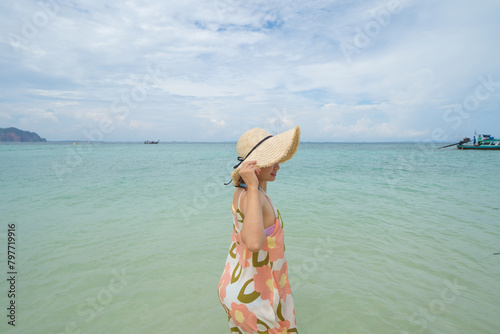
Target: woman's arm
[{"x": 252, "y": 232}]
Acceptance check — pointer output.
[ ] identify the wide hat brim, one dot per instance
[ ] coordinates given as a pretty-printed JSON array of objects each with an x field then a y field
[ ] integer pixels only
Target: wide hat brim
[{"x": 277, "y": 149}]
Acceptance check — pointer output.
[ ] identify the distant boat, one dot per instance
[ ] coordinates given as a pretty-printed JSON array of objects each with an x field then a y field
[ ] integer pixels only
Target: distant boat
[
  {"x": 151, "y": 142},
  {"x": 484, "y": 142}
]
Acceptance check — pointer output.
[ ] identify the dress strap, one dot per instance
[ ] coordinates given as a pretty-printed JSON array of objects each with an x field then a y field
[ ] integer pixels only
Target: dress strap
[
  {"x": 236, "y": 225},
  {"x": 239, "y": 199},
  {"x": 242, "y": 185}
]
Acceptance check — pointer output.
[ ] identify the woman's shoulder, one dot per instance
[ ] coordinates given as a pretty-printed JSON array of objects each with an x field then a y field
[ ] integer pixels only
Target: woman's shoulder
[{"x": 239, "y": 198}]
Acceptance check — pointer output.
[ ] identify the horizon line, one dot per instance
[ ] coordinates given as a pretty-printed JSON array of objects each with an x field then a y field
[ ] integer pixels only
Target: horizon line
[{"x": 229, "y": 142}]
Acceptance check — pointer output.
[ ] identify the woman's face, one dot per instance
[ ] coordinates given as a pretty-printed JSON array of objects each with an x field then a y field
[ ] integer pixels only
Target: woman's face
[{"x": 268, "y": 173}]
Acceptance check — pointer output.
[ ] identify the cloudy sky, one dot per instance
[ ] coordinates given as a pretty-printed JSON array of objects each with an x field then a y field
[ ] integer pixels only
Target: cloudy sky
[{"x": 193, "y": 70}]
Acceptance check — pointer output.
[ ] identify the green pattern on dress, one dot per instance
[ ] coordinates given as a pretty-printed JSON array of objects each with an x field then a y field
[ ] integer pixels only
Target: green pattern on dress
[
  {"x": 279, "y": 314},
  {"x": 241, "y": 215},
  {"x": 262, "y": 323},
  {"x": 255, "y": 260},
  {"x": 235, "y": 330},
  {"x": 245, "y": 275},
  {"x": 247, "y": 298},
  {"x": 234, "y": 276},
  {"x": 232, "y": 251}
]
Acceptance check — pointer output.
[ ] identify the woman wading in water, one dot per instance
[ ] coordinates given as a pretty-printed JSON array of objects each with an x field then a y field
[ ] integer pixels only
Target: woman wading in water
[{"x": 254, "y": 288}]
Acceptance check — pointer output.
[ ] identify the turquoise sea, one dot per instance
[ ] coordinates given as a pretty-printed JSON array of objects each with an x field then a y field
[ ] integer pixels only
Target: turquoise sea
[{"x": 132, "y": 238}]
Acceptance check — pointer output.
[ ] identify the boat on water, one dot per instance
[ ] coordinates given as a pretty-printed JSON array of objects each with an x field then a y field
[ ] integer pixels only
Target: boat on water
[
  {"x": 151, "y": 142},
  {"x": 484, "y": 142}
]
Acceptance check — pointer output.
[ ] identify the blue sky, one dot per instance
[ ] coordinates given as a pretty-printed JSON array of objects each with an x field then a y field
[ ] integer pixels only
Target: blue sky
[{"x": 389, "y": 70}]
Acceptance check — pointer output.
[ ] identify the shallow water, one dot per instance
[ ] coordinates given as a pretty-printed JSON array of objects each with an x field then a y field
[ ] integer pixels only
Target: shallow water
[{"x": 380, "y": 238}]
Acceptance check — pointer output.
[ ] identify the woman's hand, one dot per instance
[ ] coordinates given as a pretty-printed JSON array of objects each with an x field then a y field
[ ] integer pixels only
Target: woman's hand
[{"x": 249, "y": 172}]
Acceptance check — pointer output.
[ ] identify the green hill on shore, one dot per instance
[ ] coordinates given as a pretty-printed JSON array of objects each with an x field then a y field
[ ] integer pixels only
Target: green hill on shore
[{"x": 16, "y": 135}]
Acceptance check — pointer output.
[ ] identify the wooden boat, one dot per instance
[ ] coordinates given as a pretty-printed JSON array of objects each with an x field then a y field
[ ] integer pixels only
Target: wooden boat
[
  {"x": 151, "y": 142},
  {"x": 484, "y": 142}
]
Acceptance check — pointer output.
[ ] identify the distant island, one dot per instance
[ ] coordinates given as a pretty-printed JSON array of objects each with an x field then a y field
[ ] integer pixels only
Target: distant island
[{"x": 16, "y": 135}]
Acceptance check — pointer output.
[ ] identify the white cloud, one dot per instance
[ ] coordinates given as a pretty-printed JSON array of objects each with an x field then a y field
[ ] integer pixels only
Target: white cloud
[
  {"x": 141, "y": 125},
  {"x": 218, "y": 124},
  {"x": 211, "y": 64}
]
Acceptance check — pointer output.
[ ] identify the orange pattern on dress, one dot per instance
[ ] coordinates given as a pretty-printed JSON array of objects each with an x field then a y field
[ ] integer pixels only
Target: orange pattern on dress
[{"x": 254, "y": 289}]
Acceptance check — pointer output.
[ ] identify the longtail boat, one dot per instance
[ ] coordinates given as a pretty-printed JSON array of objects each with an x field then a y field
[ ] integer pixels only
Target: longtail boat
[{"x": 484, "y": 142}]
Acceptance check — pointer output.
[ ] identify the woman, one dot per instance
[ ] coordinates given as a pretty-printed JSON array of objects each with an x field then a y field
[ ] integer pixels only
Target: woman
[{"x": 254, "y": 288}]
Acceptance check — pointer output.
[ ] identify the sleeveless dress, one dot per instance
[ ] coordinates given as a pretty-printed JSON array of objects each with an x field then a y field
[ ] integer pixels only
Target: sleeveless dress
[{"x": 254, "y": 289}]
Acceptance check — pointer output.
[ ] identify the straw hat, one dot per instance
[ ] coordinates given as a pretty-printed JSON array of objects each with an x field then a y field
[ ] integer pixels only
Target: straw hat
[{"x": 257, "y": 144}]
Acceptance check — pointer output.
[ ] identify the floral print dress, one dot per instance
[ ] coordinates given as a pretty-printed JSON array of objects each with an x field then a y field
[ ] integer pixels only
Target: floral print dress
[{"x": 254, "y": 288}]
